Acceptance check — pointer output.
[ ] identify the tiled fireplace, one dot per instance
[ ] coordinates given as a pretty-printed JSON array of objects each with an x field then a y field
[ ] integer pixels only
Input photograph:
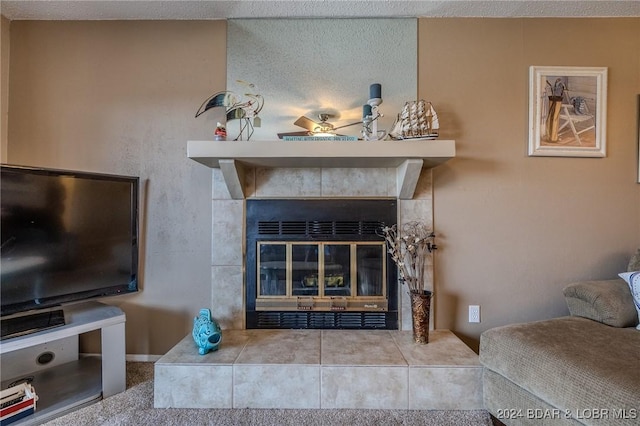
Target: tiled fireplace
[
  {"x": 323, "y": 368},
  {"x": 233, "y": 279}
]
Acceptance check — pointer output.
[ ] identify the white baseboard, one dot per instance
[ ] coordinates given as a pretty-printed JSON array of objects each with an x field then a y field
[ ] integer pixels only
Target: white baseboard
[{"x": 130, "y": 357}]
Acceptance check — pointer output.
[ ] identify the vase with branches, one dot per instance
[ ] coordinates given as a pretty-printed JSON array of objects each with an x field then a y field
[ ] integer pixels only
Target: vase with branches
[{"x": 409, "y": 249}]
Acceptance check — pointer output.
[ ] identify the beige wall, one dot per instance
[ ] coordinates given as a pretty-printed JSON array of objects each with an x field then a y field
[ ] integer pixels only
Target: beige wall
[
  {"x": 514, "y": 230},
  {"x": 5, "y": 25},
  {"x": 120, "y": 97}
]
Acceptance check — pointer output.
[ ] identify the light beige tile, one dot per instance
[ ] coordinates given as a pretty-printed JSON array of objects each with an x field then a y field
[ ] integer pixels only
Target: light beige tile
[
  {"x": 360, "y": 347},
  {"x": 286, "y": 182},
  {"x": 227, "y": 305},
  {"x": 193, "y": 386},
  {"x": 424, "y": 188},
  {"x": 409, "y": 211},
  {"x": 445, "y": 388},
  {"x": 276, "y": 386},
  {"x": 178, "y": 375},
  {"x": 404, "y": 301},
  {"x": 357, "y": 182},
  {"x": 443, "y": 349},
  {"x": 416, "y": 210},
  {"x": 227, "y": 231},
  {"x": 392, "y": 183},
  {"x": 282, "y": 347},
  {"x": 186, "y": 351},
  {"x": 365, "y": 387}
]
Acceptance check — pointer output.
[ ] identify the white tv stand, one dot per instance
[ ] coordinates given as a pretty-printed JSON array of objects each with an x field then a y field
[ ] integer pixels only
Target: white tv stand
[{"x": 65, "y": 387}]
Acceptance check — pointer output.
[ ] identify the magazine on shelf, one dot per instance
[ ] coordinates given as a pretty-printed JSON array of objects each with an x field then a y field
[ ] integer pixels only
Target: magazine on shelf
[
  {"x": 17, "y": 402},
  {"x": 319, "y": 138}
]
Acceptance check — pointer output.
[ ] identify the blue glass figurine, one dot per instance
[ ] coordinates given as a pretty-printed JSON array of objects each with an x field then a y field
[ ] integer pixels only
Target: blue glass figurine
[{"x": 206, "y": 332}]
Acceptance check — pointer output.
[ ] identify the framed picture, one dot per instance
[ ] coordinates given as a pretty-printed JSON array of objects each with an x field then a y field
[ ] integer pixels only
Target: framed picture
[{"x": 567, "y": 111}]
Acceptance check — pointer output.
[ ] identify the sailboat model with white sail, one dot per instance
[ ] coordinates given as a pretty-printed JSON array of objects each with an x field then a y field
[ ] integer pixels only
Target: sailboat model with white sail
[{"x": 418, "y": 120}]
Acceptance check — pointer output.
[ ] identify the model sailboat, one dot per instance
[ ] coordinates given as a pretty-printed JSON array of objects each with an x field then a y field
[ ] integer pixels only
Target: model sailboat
[{"x": 418, "y": 120}]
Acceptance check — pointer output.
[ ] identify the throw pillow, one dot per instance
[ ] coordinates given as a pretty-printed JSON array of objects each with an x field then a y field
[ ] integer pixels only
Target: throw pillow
[
  {"x": 634, "y": 262},
  {"x": 633, "y": 279},
  {"x": 606, "y": 301}
]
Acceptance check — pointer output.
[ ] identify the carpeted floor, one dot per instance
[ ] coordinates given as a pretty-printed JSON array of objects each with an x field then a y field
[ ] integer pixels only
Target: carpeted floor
[{"x": 135, "y": 407}]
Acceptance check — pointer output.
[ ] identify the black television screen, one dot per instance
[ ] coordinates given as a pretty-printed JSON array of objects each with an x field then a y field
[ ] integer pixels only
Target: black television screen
[{"x": 66, "y": 236}]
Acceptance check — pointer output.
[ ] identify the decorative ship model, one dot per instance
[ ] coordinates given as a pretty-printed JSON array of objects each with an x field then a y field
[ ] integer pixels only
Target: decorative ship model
[{"x": 418, "y": 120}]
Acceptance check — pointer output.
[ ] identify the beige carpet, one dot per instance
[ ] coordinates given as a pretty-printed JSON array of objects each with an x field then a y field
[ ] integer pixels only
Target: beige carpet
[{"x": 135, "y": 407}]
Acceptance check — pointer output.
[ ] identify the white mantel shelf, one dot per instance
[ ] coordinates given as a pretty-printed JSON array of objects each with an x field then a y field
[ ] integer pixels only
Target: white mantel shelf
[{"x": 408, "y": 157}]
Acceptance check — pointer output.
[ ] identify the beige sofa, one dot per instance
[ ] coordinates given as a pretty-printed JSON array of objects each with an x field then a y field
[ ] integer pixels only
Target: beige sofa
[{"x": 583, "y": 369}]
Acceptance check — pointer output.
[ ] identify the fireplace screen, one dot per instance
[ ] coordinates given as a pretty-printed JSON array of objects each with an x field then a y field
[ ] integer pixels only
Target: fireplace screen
[{"x": 321, "y": 276}]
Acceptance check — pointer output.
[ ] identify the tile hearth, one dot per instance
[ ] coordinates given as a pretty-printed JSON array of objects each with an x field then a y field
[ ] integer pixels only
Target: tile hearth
[{"x": 364, "y": 369}]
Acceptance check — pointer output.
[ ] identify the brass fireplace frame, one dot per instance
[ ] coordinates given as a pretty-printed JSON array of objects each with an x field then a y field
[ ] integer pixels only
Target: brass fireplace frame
[
  {"x": 326, "y": 283},
  {"x": 327, "y": 221}
]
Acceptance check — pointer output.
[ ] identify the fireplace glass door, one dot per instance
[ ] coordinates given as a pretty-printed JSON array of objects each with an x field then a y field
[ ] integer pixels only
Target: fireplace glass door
[
  {"x": 370, "y": 272},
  {"x": 273, "y": 270},
  {"x": 329, "y": 275},
  {"x": 304, "y": 269}
]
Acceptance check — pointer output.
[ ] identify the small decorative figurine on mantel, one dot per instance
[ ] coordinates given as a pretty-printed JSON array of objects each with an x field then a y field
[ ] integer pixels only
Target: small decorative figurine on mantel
[
  {"x": 221, "y": 132},
  {"x": 206, "y": 332},
  {"x": 244, "y": 108},
  {"x": 371, "y": 114}
]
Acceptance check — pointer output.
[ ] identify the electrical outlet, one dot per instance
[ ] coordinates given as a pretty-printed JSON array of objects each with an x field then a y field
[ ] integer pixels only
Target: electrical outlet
[{"x": 474, "y": 313}]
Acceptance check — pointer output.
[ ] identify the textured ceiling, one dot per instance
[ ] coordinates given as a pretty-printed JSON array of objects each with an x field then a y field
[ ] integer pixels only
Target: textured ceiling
[{"x": 214, "y": 9}]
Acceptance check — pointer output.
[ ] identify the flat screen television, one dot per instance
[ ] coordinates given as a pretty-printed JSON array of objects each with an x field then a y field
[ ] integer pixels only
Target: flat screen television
[{"x": 66, "y": 236}]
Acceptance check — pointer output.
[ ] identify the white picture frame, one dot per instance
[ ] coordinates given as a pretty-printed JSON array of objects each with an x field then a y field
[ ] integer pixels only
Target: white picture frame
[{"x": 567, "y": 111}]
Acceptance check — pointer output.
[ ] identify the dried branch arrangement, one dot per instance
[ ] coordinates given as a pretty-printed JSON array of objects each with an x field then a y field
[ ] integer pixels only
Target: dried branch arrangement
[{"x": 409, "y": 249}]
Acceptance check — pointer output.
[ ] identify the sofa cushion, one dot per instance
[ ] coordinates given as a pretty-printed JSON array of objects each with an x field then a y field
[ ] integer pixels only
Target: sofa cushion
[
  {"x": 514, "y": 406},
  {"x": 571, "y": 363},
  {"x": 609, "y": 302},
  {"x": 633, "y": 279},
  {"x": 634, "y": 262}
]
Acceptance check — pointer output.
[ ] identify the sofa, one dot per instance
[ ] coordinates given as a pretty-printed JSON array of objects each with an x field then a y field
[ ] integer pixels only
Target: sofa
[{"x": 581, "y": 369}]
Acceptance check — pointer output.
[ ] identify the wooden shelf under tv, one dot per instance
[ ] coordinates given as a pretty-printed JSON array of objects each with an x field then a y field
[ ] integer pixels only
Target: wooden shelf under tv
[{"x": 409, "y": 157}]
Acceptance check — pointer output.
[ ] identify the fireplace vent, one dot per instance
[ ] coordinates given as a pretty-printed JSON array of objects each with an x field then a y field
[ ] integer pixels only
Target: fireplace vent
[
  {"x": 322, "y": 320},
  {"x": 315, "y": 228}
]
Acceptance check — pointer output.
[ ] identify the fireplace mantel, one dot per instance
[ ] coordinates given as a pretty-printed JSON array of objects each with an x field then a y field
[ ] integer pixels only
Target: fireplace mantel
[{"x": 408, "y": 157}]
